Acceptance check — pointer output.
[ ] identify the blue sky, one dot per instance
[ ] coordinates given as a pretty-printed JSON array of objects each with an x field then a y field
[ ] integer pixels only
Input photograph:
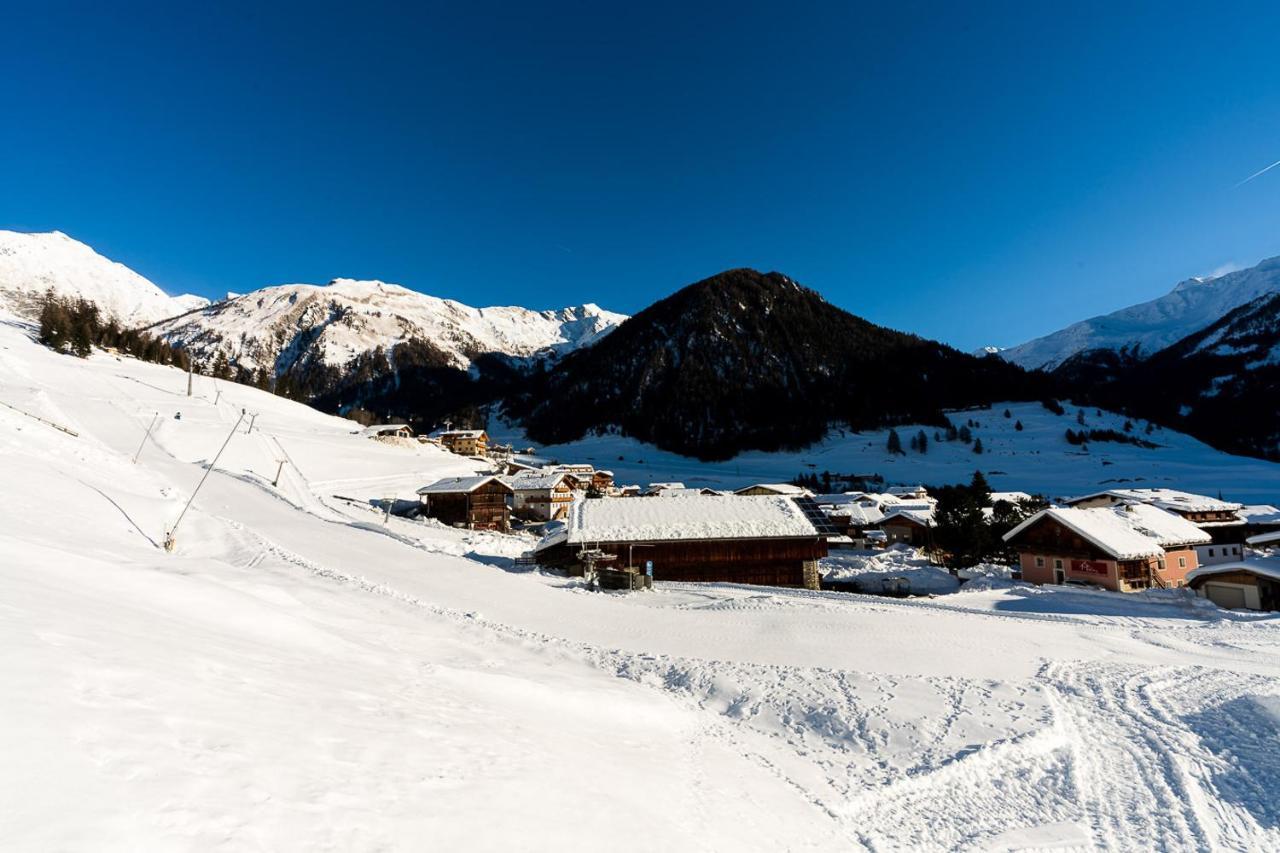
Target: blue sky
[{"x": 978, "y": 175}]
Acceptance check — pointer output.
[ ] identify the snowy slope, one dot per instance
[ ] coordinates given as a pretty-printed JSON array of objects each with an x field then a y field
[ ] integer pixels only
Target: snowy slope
[
  {"x": 31, "y": 264},
  {"x": 275, "y": 326},
  {"x": 300, "y": 675},
  {"x": 1151, "y": 326},
  {"x": 1035, "y": 459}
]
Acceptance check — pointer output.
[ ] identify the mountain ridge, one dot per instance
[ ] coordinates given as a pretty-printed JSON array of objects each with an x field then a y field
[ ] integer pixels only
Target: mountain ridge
[{"x": 1147, "y": 327}]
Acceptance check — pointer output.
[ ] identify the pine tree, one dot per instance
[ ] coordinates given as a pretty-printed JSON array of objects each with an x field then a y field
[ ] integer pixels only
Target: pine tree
[
  {"x": 1080, "y": 417},
  {"x": 977, "y": 446},
  {"x": 1008, "y": 414},
  {"x": 1017, "y": 425},
  {"x": 894, "y": 444},
  {"x": 965, "y": 435},
  {"x": 922, "y": 442}
]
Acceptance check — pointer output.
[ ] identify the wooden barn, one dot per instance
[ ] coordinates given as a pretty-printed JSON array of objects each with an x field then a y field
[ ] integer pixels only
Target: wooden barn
[
  {"x": 478, "y": 503},
  {"x": 1122, "y": 548},
  {"x": 767, "y": 540}
]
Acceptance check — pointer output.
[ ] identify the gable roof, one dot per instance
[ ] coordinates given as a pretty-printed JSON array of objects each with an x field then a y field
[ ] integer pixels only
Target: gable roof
[
  {"x": 777, "y": 488},
  {"x": 1265, "y": 538},
  {"x": 462, "y": 433},
  {"x": 1260, "y": 514},
  {"x": 922, "y": 516},
  {"x": 535, "y": 480},
  {"x": 685, "y": 518},
  {"x": 460, "y": 485},
  {"x": 1170, "y": 499},
  {"x": 1105, "y": 529},
  {"x": 1167, "y": 528},
  {"x": 1267, "y": 567}
]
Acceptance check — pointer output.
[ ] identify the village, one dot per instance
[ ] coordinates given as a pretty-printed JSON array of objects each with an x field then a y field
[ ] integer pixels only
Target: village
[{"x": 625, "y": 536}]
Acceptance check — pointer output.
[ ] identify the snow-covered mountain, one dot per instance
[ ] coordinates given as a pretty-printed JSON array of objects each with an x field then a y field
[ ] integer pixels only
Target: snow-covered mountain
[
  {"x": 1191, "y": 306},
  {"x": 275, "y": 327},
  {"x": 31, "y": 264}
]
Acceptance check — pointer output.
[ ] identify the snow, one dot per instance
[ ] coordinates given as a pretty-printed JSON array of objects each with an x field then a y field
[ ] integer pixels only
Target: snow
[
  {"x": 32, "y": 264},
  {"x": 649, "y": 519},
  {"x": 300, "y": 675},
  {"x": 1167, "y": 528},
  {"x": 1036, "y": 459},
  {"x": 1110, "y": 531},
  {"x": 270, "y": 327},
  {"x": 1170, "y": 499},
  {"x": 1267, "y": 567},
  {"x": 457, "y": 485},
  {"x": 1152, "y": 326},
  {"x": 868, "y": 569}
]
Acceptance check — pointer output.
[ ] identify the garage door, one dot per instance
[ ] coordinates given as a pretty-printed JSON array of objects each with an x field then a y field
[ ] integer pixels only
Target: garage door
[{"x": 1230, "y": 597}]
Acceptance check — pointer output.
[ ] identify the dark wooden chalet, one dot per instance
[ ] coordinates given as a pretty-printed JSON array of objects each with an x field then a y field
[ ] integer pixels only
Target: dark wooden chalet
[
  {"x": 478, "y": 503},
  {"x": 705, "y": 538}
]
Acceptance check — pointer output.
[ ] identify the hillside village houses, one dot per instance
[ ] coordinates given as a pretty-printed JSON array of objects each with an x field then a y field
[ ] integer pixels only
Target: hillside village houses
[
  {"x": 1118, "y": 539},
  {"x": 466, "y": 442},
  {"x": 1125, "y": 547},
  {"x": 542, "y": 495}
]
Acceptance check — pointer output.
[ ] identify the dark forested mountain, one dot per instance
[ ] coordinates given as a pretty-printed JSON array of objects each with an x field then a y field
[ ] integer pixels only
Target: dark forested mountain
[
  {"x": 1220, "y": 384},
  {"x": 748, "y": 360}
]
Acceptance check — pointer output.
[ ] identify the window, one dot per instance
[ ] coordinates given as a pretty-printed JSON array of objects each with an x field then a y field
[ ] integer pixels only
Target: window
[
  {"x": 1210, "y": 552},
  {"x": 1235, "y": 549},
  {"x": 1182, "y": 562},
  {"x": 1039, "y": 562},
  {"x": 1057, "y": 564}
]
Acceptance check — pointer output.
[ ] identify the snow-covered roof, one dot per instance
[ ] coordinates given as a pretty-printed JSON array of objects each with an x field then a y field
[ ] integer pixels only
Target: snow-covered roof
[
  {"x": 462, "y": 433},
  {"x": 1009, "y": 497},
  {"x": 683, "y": 518},
  {"x": 535, "y": 481},
  {"x": 457, "y": 485},
  {"x": 858, "y": 514},
  {"x": 778, "y": 489},
  {"x": 1263, "y": 514},
  {"x": 1167, "y": 528},
  {"x": 1170, "y": 499},
  {"x": 919, "y": 515},
  {"x": 1265, "y": 539},
  {"x": 1103, "y": 527},
  {"x": 379, "y": 429},
  {"x": 1267, "y": 567}
]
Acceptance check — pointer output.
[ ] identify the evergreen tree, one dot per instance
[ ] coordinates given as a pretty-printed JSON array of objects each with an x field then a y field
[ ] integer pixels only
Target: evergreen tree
[
  {"x": 1080, "y": 417},
  {"x": 894, "y": 444},
  {"x": 922, "y": 442},
  {"x": 1017, "y": 425},
  {"x": 977, "y": 446},
  {"x": 965, "y": 435},
  {"x": 1008, "y": 414}
]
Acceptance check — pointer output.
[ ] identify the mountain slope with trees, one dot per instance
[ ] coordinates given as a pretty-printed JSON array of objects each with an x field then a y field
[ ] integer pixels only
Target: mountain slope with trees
[
  {"x": 1220, "y": 384},
  {"x": 748, "y": 360}
]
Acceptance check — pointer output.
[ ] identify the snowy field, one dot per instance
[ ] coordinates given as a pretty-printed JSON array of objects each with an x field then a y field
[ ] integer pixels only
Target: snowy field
[
  {"x": 299, "y": 675},
  {"x": 1036, "y": 459}
]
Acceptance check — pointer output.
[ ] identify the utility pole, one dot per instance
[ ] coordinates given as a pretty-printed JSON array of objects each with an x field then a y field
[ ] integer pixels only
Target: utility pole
[
  {"x": 190, "y": 369},
  {"x": 252, "y": 418},
  {"x": 145, "y": 437},
  {"x": 217, "y": 397},
  {"x": 279, "y": 468},
  {"x": 387, "y": 515},
  {"x": 170, "y": 538}
]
